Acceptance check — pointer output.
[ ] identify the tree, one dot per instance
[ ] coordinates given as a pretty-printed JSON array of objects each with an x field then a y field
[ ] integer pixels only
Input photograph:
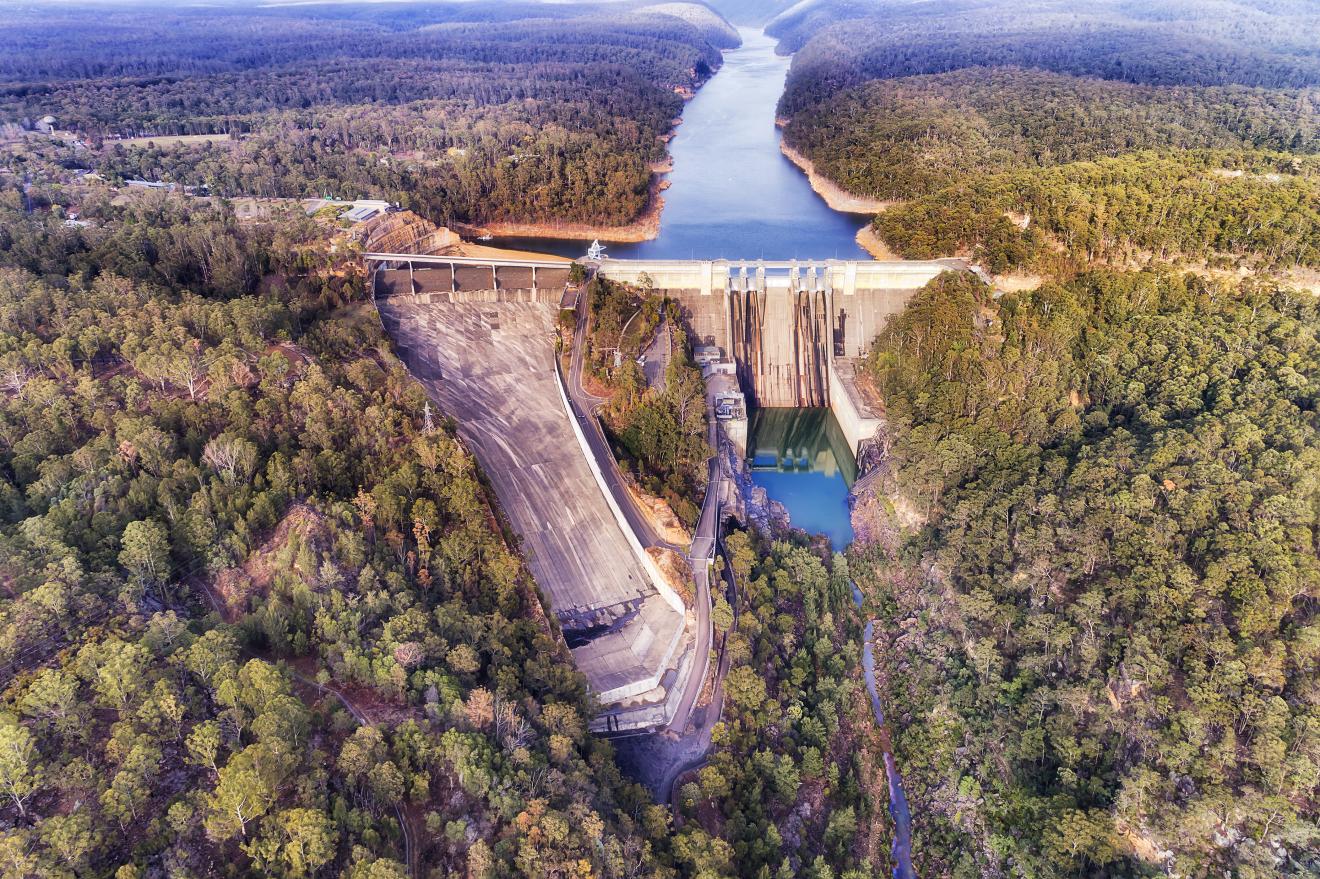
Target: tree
[
  {"x": 243, "y": 793},
  {"x": 130, "y": 789},
  {"x": 204, "y": 743},
  {"x": 52, "y": 695},
  {"x": 480, "y": 860},
  {"x": 71, "y": 837},
  {"x": 713, "y": 783},
  {"x": 146, "y": 551},
  {"x": 295, "y": 843},
  {"x": 233, "y": 457},
  {"x": 745, "y": 688},
  {"x": 119, "y": 671},
  {"x": 721, "y": 615},
  {"x": 21, "y": 773}
]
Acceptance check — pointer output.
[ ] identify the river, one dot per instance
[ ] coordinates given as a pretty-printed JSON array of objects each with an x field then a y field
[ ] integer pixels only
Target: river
[{"x": 732, "y": 193}]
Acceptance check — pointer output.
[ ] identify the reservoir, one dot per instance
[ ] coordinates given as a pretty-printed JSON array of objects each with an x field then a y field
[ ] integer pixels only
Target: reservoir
[{"x": 733, "y": 194}]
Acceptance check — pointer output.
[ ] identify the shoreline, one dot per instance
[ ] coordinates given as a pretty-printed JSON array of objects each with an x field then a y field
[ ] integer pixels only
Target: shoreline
[
  {"x": 873, "y": 244},
  {"x": 835, "y": 196},
  {"x": 645, "y": 228}
]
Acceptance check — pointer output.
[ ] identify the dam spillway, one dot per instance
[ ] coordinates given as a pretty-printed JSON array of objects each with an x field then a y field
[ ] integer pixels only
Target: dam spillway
[{"x": 785, "y": 324}]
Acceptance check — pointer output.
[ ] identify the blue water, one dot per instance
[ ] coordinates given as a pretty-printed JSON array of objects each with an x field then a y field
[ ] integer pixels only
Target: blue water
[
  {"x": 817, "y": 502},
  {"x": 802, "y": 459},
  {"x": 732, "y": 193}
]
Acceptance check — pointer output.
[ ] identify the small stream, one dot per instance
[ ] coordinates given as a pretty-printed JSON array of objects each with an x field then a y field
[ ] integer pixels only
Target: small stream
[{"x": 901, "y": 850}]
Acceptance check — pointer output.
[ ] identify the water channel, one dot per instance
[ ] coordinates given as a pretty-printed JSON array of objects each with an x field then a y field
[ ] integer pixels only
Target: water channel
[
  {"x": 802, "y": 459},
  {"x": 732, "y": 193}
]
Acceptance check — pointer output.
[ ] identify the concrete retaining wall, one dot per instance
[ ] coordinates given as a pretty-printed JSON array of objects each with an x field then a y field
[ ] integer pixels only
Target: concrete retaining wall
[
  {"x": 652, "y": 569},
  {"x": 856, "y": 426}
]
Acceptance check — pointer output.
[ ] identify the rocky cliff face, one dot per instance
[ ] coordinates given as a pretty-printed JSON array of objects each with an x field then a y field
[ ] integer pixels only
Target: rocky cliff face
[{"x": 750, "y": 504}]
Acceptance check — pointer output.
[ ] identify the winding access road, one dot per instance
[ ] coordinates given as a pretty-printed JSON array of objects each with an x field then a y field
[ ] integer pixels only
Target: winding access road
[{"x": 586, "y": 407}]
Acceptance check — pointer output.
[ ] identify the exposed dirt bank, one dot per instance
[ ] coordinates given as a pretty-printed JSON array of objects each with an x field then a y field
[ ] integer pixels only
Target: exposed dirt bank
[
  {"x": 1018, "y": 282},
  {"x": 467, "y": 248},
  {"x": 835, "y": 195},
  {"x": 661, "y": 516},
  {"x": 874, "y": 244}
]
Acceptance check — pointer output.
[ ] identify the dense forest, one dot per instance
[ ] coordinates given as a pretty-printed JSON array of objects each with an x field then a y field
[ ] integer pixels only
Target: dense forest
[
  {"x": 659, "y": 429},
  {"x": 794, "y": 785},
  {"x": 258, "y": 614},
  {"x": 1097, "y": 635},
  {"x": 838, "y": 43},
  {"x": 1254, "y": 210},
  {"x": 908, "y": 137},
  {"x": 518, "y": 112},
  {"x": 1102, "y": 649},
  {"x": 1164, "y": 133}
]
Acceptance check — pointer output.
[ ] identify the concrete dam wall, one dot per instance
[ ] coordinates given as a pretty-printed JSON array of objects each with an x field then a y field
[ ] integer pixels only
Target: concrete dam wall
[
  {"x": 794, "y": 329},
  {"x": 785, "y": 323}
]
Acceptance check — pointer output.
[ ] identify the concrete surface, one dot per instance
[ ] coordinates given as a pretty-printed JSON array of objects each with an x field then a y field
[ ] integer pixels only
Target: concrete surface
[{"x": 491, "y": 366}]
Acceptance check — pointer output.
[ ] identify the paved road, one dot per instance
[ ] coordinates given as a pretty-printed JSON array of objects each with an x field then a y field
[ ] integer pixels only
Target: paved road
[
  {"x": 701, "y": 555},
  {"x": 668, "y": 786},
  {"x": 658, "y": 355},
  {"x": 585, "y": 406}
]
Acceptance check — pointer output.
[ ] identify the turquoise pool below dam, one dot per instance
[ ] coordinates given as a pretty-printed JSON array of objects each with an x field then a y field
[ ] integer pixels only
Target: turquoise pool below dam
[{"x": 802, "y": 459}]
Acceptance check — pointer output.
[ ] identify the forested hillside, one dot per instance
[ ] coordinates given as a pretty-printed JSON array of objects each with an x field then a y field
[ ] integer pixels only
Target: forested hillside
[
  {"x": 1257, "y": 211},
  {"x": 258, "y": 613},
  {"x": 1265, "y": 43},
  {"x": 1101, "y": 653},
  {"x": 907, "y": 137},
  {"x": 1097, "y": 644},
  {"x": 461, "y": 112},
  {"x": 660, "y": 430},
  {"x": 794, "y": 785},
  {"x": 952, "y": 107}
]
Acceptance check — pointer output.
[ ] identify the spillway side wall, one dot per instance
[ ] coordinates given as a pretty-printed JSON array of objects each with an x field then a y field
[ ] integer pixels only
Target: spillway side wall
[
  {"x": 648, "y": 564},
  {"x": 856, "y": 427}
]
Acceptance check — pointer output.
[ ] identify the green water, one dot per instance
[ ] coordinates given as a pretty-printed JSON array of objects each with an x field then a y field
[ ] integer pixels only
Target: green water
[{"x": 803, "y": 460}]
